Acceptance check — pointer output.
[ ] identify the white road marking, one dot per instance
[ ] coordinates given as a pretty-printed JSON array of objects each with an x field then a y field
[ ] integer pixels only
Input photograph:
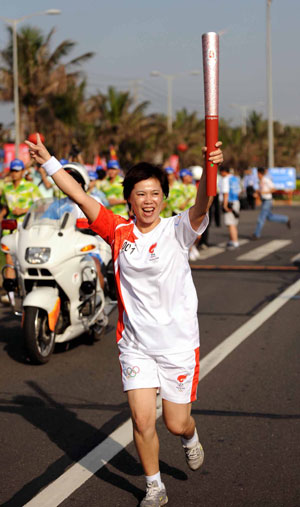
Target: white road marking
[
  {"x": 264, "y": 250},
  {"x": 296, "y": 258},
  {"x": 54, "y": 494},
  {"x": 241, "y": 242},
  {"x": 210, "y": 252},
  {"x": 216, "y": 250},
  {"x": 219, "y": 353}
]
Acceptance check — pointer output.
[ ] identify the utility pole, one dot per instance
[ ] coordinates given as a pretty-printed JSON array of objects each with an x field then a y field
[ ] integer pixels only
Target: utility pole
[
  {"x": 170, "y": 93},
  {"x": 136, "y": 83},
  {"x": 269, "y": 89},
  {"x": 16, "y": 87},
  {"x": 170, "y": 78},
  {"x": 13, "y": 24}
]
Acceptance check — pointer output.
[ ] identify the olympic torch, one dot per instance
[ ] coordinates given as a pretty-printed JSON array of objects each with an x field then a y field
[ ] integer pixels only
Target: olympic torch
[{"x": 210, "y": 50}]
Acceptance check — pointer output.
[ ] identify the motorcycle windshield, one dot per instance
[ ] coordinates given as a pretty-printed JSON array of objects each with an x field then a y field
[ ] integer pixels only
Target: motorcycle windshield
[{"x": 58, "y": 213}]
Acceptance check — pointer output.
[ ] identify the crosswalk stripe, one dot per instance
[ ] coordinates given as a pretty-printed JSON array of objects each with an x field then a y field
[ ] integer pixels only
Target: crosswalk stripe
[
  {"x": 241, "y": 242},
  {"x": 216, "y": 250},
  {"x": 296, "y": 258},
  {"x": 210, "y": 252},
  {"x": 264, "y": 250}
]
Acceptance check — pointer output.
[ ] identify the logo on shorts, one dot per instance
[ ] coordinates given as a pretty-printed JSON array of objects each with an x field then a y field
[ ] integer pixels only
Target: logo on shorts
[
  {"x": 180, "y": 379},
  {"x": 153, "y": 256},
  {"x": 132, "y": 371}
]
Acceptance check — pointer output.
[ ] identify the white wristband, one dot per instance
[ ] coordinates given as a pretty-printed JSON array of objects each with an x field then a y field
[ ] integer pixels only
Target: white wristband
[{"x": 52, "y": 166}]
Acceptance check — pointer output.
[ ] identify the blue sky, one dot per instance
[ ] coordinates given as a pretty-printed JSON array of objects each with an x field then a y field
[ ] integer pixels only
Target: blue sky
[{"x": 131, "y": 38}]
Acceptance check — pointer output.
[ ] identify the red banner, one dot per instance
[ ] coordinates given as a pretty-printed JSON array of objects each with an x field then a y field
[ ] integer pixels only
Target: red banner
[
  {"x": 174, "y": 162},
  {"x": 9, "y": 153}
]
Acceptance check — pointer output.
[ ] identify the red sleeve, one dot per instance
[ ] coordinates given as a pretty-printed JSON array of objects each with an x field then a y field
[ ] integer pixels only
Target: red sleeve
[{"x": 106, "y": 223}]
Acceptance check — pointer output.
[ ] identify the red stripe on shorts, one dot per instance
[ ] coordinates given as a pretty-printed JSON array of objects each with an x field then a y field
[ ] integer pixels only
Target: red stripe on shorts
[{"x": 196, "y": 375}]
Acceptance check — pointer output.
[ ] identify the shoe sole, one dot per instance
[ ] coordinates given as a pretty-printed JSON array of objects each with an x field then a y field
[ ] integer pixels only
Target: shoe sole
[{"x": 164, "y": 502}]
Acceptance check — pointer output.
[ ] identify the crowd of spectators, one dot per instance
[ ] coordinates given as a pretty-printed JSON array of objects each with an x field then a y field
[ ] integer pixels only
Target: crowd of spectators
[{"x": 22, "y": 185}]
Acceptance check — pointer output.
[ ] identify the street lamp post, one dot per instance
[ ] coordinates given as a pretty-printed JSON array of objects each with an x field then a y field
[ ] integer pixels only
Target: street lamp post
[
  {"x": 243, "y": 108},
  {"x": 170, "y": 78},
  {"x": 269, "y": 88},
  {"x": 170, "y": 101},
  {"x": 13, "y": 24}
]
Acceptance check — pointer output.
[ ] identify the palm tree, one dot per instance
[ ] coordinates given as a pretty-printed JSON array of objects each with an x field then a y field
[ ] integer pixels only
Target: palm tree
[
  {"x": 42, "y": 76},
  {"x": 118, "y": 121}
]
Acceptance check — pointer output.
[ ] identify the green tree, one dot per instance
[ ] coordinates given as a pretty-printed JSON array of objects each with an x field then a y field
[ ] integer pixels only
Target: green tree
[
  {"x": 44, "y": 81},
  {"x": 118, "y": 121}
]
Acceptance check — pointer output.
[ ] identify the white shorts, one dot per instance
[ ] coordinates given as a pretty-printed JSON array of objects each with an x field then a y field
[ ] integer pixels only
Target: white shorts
[
  {"x": 176, "y": 375},
  {"x": 229, "y": 218}
]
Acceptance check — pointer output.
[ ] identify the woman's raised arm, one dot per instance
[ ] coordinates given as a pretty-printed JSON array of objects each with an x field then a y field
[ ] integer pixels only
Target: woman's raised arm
[{"x": 63, "y": 180}]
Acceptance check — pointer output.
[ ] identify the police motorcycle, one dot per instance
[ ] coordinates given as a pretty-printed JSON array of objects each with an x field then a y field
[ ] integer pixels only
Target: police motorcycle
[{"x": 56, "y": 289}]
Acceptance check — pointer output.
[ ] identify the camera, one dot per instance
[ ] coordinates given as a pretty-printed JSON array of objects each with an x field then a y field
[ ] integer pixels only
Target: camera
[{"x": 235, "y": 214}]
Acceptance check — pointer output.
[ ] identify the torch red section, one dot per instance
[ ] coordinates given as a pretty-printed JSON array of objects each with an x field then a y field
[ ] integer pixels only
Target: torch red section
[
  {"x": 211, "y": 137},
  {"x": 33, "y": 138}
]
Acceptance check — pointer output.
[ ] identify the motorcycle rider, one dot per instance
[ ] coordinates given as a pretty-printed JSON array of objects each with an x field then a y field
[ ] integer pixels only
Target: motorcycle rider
[{"x": 58, "y": 207}]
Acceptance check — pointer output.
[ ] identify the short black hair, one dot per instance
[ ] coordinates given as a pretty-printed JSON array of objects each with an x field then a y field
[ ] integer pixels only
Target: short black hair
[
  {"x": 101, "y": 173},
  {"x": 144, "y": 171},
  {"x": 261, "y": 170},
  {"x": 224, "y": 168}
]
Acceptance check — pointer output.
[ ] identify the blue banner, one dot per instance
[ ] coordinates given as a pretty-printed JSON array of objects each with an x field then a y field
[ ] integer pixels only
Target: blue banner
[{"x": 283, "y": 178}]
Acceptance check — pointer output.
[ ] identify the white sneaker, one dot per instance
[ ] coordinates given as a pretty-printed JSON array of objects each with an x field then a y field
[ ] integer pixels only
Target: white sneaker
[
  {"x": 194, "y": 455},
  {"x": 155, "y": 496},
  {"x": 204, "y": 246},
  {"x": 231, "y": 245},
  {"x": 194, "y": 254}
]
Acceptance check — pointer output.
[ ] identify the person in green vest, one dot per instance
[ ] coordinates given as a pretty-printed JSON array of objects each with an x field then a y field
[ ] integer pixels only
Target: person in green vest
[
  {"x": 176, "y": 198},
  {"x": 190, "y": 189},
  {"x": 112, "y": 186},
  {"x": 17, "y": 197},
  {"x": 18, "y": 194}
]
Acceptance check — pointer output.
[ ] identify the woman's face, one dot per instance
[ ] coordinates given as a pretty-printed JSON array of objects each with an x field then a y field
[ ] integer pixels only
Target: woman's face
[{"x": 146, "y": 200}]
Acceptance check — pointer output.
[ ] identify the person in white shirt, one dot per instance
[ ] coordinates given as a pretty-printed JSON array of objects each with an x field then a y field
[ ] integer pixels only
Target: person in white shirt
[
  {"x": 266, "y": 189},
  {"x": 157, "y": 331},
  {"x": 230, "y": 189}
]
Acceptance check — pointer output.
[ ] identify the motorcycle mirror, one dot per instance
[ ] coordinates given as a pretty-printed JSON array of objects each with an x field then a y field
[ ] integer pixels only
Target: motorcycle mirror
[
  {"x": 9, "y": 224},
  {"x": 82, "y": 223}
]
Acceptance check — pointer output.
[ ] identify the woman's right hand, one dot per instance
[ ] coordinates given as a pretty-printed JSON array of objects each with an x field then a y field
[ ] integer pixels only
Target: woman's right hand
[{"x": 38, "y": 151}]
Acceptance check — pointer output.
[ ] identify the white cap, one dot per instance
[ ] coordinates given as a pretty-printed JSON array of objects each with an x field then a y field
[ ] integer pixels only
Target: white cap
[{"x": 197, "y": 171}]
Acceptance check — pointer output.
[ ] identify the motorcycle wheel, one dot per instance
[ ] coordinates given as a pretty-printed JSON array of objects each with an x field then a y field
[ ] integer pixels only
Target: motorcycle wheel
[{"x": 39, "y": 340}]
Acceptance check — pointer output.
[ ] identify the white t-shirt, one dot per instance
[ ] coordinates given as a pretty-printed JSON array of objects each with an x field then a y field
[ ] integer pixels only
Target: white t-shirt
[
  {"x": 156, "y": 294},
  {"x": 265, "y": 187},
  {"x": 224, "y": 186}
]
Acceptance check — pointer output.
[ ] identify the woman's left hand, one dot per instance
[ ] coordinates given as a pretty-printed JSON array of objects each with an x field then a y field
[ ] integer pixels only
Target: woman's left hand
[
  {"x": 216, "y": 156},
  {"x": 38, "y": 151}
]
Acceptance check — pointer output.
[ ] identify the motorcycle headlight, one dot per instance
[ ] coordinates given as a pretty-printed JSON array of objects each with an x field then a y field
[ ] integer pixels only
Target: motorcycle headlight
[{"x": 37, "y": 255}]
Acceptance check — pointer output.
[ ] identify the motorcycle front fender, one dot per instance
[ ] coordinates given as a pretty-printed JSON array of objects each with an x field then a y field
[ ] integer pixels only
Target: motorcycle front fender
[
  {"x": 46, "y": 298},
  {"x": 9, "y": 244}
]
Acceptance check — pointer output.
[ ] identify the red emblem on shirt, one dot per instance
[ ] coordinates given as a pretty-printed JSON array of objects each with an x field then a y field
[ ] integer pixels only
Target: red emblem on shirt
[
  {"x": 151, "y": 249},
  {"x": 181, "y": 378}
]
